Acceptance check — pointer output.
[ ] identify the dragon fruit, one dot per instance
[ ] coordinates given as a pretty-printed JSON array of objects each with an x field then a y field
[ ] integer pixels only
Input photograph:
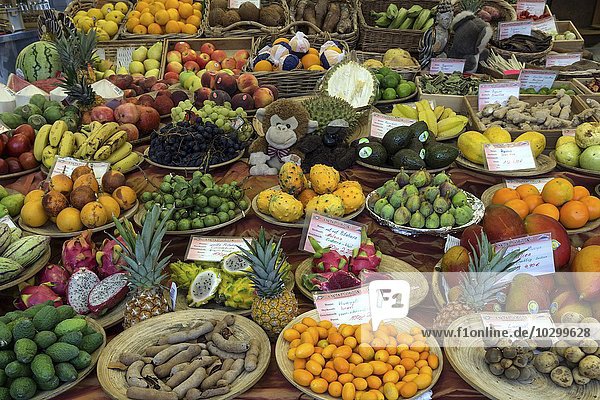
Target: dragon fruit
[
  {"x": 365, "y": 257},
  {"x": 327, "y": 260},
  {"x": 79, "y": 252},
  {"x": 57, "y": 277},
  {"x": 32, "y": 295},
  {"x": 80, "y": 285},
  {"x": 108, "y": 293},
  {"x": 367, "y": 276},
  {"x": 328, "y": 281},
  {"x": 109, "y": 258}
]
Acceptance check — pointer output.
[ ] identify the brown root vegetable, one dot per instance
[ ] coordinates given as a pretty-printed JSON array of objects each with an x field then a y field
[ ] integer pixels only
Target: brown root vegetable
[
  {"x": 234, "y": 371},
  {"x": 181, "y": 375},
  {"x": 212, "y": 379},
  {"x": 562, "y": 376},
  {"x": 345, "y": 24},
  {"x": 186, "y": 355},
  {"x": 309, "y": 16},
  {"x": 230, "y": 345},
  {"x": 138, "y": 393},
  {"x": 191, "y": 334},
  {"x": 165, "y": 355},
  {"x": 251, "y": 360},
  {"x": 320, "y": 11},
  {"x": 332, "y": 18},
  {"x": 129, "y": 358},
  {"x": 300, "y": 6},
  {"x": 215, "y": 351},
  {"x": 133, "y": 376},
  {"x": 179, "y": 367},
  {"x": 152, "y": 379},
  {"x": 193, "y": 381}
]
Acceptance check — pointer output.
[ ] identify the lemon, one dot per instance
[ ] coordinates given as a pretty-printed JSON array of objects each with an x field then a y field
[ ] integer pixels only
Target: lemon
[
  {"x": 122, "y": 7},
  {"x": 100, "y": 23},
  {"x": 86, "y": 23},
  {"x": 111, "y": 28},
  {"x": 115, "y": 16},
  {"x": 95, "y": 14},
  {"x": 102, "y": 35},
  {"x": 108, "y": 7}
]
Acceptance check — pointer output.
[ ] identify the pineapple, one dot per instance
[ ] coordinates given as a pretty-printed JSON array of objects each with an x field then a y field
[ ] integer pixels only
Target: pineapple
[
  {"x": 274, "y": 306},
  {"x": 145, "y": 267},
  {"x": 470, "y": 5},
  {"x": 479, "y": 286}
]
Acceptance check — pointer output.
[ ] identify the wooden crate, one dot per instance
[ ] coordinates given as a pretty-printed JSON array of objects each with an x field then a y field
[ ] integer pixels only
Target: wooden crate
[
  {"x": 568, "y": 84},
  {"x": 123, "y": 57},
  {"x": 497, "y": 74},
  {"x": 454, "y": 102},
  {"x": 568, "y": 46},
  {"x": 581, "y": 83}
]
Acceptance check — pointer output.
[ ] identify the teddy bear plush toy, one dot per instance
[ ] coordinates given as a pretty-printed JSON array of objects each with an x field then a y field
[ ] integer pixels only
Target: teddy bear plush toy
[
  {"x": 471, "y": 36},
  {"x": 285, "y": 122}
]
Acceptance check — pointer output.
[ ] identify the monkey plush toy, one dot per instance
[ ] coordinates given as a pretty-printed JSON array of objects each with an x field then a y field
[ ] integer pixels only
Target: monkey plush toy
[{"x": 284, "y": 123}]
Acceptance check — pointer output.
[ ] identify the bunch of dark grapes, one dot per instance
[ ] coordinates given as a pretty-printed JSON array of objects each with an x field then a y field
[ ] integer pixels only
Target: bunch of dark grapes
[{"x": 195, "y": 144}]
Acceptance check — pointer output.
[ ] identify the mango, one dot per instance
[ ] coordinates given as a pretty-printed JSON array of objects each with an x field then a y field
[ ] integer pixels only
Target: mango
[
  {"x": 497, "y": 134},
  {"x": 587, "y": 281},
  {"x": 471, "y": 144},
  {"x": 456, "y": 259},
  {"x": 536, "y": 140},
  {"x": 568, "y": 301},
  {"x": 526, "y": 294},
  {"x": 538, "y": 223},
  {"x": 502, "y": 223}
]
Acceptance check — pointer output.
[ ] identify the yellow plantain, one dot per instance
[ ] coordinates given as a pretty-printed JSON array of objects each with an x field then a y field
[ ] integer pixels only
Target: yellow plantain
[
  {"x": 120, "y": 153},
  {"x": 103, "y": 153},
  {"x": 42, "y": 139},
  {"x": 127, "y": 163},
  {"x": 66, "y": 147},
  {"x": 116, "y": 140},
  {"x": 48, "y": 156},
  {"x": 58, "y": 128},
  {"x": 80, "y": 138}
]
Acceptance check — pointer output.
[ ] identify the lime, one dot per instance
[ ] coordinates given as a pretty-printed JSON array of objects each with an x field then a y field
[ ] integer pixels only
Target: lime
[
  {"x": 389, "y": 94},
  {"x": 384, "y": 71},
  {"x": 396, "y": 75},
  {"x": 412, "y": 85},
  {"x": 379, "y": 77},
  {"x": 390, "y": 81},
  {"x": 403, "y": 90},
  {"x": 184, "y": 225}
]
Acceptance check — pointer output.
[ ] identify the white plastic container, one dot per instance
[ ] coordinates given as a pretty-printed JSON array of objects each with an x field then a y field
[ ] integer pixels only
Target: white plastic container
[
  {"x": 58, "y": 94},
  {"x": 7, "y": 100},
  {"x": 107, "y": 90},
  {"x": 24, "y": 95}
]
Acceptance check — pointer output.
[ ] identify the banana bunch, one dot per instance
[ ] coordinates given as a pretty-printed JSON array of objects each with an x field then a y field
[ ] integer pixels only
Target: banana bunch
[
  {"x": 95, "y": 142},
  {"x": 443, "y": 122},
  {"x": 416, "y": 17}
]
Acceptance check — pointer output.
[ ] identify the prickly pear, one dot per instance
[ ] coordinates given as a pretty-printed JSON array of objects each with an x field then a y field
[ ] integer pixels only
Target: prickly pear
[
  {"x": 432, "y": 222},
  {"x": 441, "y": 205},
  {"x": 402, "y": 216},
  {"x": 426, "y": 209},
  {"x": 417, "y": 220},
  {"x": 413, "y": 203},
  {"x": 447, "y": 219},
  {"x": 440, "y": 178},
  {"x": 402, "y": 178},
  {"x": 431, "y": 193},
  {"x": 459, "y": 199}
]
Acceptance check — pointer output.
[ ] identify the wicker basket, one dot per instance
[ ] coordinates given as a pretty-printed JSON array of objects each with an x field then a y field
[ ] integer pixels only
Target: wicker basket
[
  {"x": 524, "y": 57},
  {"x": 350, "y": 38},
  {"x": 373, "y": 38},
  {"x": 299, "y": 82},
  {"x": 83, "y": 5},
  {"x": 507, "y": 11},
  {"x": 408, "y": 73},
  {"x": 245, "y": 28},
  {"x": 121, "y": 58}
]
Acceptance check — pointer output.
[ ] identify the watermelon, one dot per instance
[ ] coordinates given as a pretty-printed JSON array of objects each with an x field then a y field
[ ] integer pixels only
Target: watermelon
[{"x": 38, "y": 61}]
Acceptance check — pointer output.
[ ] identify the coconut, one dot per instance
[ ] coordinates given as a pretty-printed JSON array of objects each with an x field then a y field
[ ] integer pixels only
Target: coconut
[{"x": 249, "y": 12}]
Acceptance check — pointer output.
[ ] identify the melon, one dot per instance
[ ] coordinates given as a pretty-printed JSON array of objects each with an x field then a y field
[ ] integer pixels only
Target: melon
[{"x": 37, "y": 61}]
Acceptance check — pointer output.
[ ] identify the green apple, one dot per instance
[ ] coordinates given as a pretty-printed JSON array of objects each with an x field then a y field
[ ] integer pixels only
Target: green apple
[
  {"x": 184, "y": 76},
  {"x": 190, "y": 81},
  {"x": 140, "y": 54},
  {"x": 123, "y": 71},
  {"x": 155, "y": 51},
  {"x": 99, "y": 75},
  {"x": 152, "y": 72},
  {"x": 196, "y": 84},
  {"x": 151, "y": 64},
  {"x": 108, "y": 73},
  {"x": 136, "y": 67}
]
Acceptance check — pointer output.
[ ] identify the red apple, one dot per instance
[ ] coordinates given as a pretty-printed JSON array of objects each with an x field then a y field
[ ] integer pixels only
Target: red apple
[
  {"x": 229, "y": 63},
  {"x": 182, "y": 46},
  {"x": 213, "y": 66},
  {"x": 174, "y": 55},
  {"x": 241, "y": 55},
  {"x": 18, "y": 145},
  {"x": 207, "y": 48},
  {"x": 218, "y": 55},
  {"x": 27, "y": 160},
  {"x": 3, "y": 167},
  {"x": 191, "y": 66},
  {"x": 239, "y": 64},
  {"x": 172, "y": 75},
  {"x": 202, "y": 59},
  {"x": 188, "y": 55},
  {"x": 27, "y": 130},
  {"x": 174, "y": 67}
]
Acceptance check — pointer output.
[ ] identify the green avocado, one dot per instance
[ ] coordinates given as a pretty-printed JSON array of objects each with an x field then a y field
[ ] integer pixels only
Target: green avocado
[
  {"x": 397, "y": 138},
  {"x": 372, "y": 153},
  {"x": 440, "y": 155},
  {"x": 407, "y": 158},
  {"x": 421, "y": 131}
]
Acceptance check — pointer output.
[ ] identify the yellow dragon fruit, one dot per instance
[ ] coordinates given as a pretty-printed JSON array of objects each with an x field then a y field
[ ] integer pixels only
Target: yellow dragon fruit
[
  {"x": 236, "y": 292},
  {"x": 352, "y": 197},
  {"x": 285, "y": 207},
  {"x": 264, "y": 198},
  {"x": 291, "y": 178},
  {"x": 324, "y": 179},
  {"x": 346, "y": 184},
  {"x": 326, "y": 204}
]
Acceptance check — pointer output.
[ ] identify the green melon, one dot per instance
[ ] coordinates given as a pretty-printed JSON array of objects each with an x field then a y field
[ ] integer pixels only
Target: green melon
[{"x": 38, "y": 61}]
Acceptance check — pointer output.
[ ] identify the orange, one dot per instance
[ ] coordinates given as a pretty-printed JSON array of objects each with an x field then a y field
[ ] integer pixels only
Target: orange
[
  {"x": 309, "y": 60},
  {"x": 593, "y": 205},
  {"x": 263, "y": 65},
  {"x": 172, "y": 27},
  {"x": 197, "y": 6},
  {"x": 155, "y": 29},
  {"x": 574, "y": 214},
  {"x": 141, "y": 5},
  {"x": 335, "y": 389},
  {"x": 533, "y": 201},
  {"x": 146, "y": 19},
  {"x": 505, "y": 194},
  {"x": 519, "y": 206},
  {"x": 189, "y": 29},
  {"x": 314, "y": 51},
  {"x": 140, "y": 30},
  {"x": 548, "y": 210},
  {"x": 185, "y": 10},
  {"x": 135, "y": 14},
  {"x": 131, "y": 23},
  {"x": 193, "y": 20},
  {"x": 526, "y": 190},
  {"x": 580, "y": 192},
  {"x": 181, "y": 25},
  {"x": 173, "y": 14},
  {"x": 558, "y": 191},
  {"x": 171, "y": 4},
  {"x": 198, "y": 13},
  {"x": 162, "y": 17}
]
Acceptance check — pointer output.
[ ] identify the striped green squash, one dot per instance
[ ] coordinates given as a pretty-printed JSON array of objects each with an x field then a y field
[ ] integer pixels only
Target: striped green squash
[
  {"x": 9, "y": 269},
  {"x": 38, "y": 61}
]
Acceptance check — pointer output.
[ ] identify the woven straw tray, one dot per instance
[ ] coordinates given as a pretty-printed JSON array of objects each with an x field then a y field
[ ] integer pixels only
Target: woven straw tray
[{"x": 583, "y": 171}]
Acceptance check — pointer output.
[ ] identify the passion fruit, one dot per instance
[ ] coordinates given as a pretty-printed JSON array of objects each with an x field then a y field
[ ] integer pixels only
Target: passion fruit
[
  {"x": 34, "y": 195},
  {"x": 81, "y": 196},
  {"x": 54, "y": 202},
  {"x": 81, "y": 170},
  {"x": 110, "y": 206},
  {"x": 93, "y": 215},
  {"x": 87, "y": 180},
  {"x": 61, "y": 183},
  {"x": 111, "y": 180},
  {"x": 125, "y": 196},
  {"x": 33, "y": 214}
]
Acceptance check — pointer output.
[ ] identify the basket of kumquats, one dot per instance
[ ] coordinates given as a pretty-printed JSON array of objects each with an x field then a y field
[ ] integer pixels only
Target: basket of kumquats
[{"x": 354, "y": 362}]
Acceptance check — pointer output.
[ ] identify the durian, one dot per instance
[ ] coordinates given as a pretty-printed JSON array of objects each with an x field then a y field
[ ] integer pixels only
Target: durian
[
  {"x": 352, "y": 82},
  {"x": 325, "y": 108}
]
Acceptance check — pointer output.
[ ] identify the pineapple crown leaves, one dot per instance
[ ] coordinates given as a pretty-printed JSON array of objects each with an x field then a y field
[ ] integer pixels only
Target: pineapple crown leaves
[{"x": 470, "y": 5}]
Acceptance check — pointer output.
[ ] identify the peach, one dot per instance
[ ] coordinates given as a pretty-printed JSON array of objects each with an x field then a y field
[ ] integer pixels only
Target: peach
[
  {"x": 182, "y": 46},
  {"x": 247, "y": 83},
  {"x": 502, "y": 223},
  {"x": 239, "y": 64},
  {"x": 207, "y": 48},
  {"x": 241, "y": 55},
  {"x": 172, "y": 75},
  {"x": 208, "y": 79},
  {"x": 174, "y": 55},
  {"x": 229, "y": 63},
  {"x": 538, "y": 223},
  {"x": 202, "y": 59},
  {"x": 213, "y": 66},
  {"x": 243, "y": 100},
  {"x": 174, "y": 66},
  {"x": 273, "y": 90},
  {"x": 226, "y": 83},
  {"x": 218, "y": 55},
  {"x": 191, "y": 66},
  {"x": 132, "y": 131},
  {"x": 263, "y": 97},
  {"x": 188, "y": 55}
]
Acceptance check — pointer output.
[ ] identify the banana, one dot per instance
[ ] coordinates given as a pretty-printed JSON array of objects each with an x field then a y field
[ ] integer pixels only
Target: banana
[
  {"x": 120, "y": 153},
  {"x": 400, "y": 17},
  {"x": 127, "y": 163},
  {"x": 80, "y": 138},
  {"x": 428, "y": 24},
  {"x": 421, "y": 19},
  {"x": 438, "y": 111},
  {"x": 103, "y": 153},
  {"x": 58, "y": 128},
  {"x": 48, "y": 156},
  {"x": 41, "y": 141},
  {"x": 407, "y": 23},
  {"x": 414, "y": 11},
  {"x": 66, "y": 146},
  {"x": 451, "y": 127},
  {"x": 98, "y": 137},
  {"x": 116, "y": 140}
]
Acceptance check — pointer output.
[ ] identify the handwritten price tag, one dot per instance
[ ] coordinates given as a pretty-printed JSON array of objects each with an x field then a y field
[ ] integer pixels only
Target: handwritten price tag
[
  {"x": 538, "y": 183},
  {"x": 66, "y": 165},
  {"x": 562, "y": 60},
  {"x": 203, "y": 248},
  {"x": 515, "y": 322},
  {"x": 344, "y": 306},
  {"x": 537, "y": 79},
  {"x": 124, "y": 56},
  {"x": 534, "y": 7},
  {"x": 508, "y": 156},
  {"x": 491, "y": 93},
  {"x": 8, "y": 221},
  {"x": 238, "y": 3},
  {"x": 569, "y": 132},
  {"x": 446, "y": 65},
  {"x": 388, "y": 300},
  {"x": 508, "y": 29},
  {"x": 382, "y": 123},
  {"x": 342, "y": 236},
  {"x": 546, "y": 25}
]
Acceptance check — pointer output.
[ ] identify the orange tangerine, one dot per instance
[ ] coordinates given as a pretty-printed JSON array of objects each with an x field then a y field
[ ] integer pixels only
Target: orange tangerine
[
  {"x": 197, "y": 6},
  {"x": 579, "y": 192},
  {"x": 141, "y": 5},
  {"x": 181, "y": 25},
  {"x": 189, "y": 29},
  {"x": 155, "y": 29},
  {"x": 526, "y": 190},
  {"x": 146, "y": 19},
  {"x": 193, "y": 20},
  {"x": 505, "y": 194},
  {"x": 173, "y": 14},
  {"x": 309, "y": 60},
  {"x": 314, "y": 51},
  {"x": 263, "y": 65},
  {"x": 519, "y": 206},
  {"x": 171, "y": 4},
  {"x": 557, "y": 191},
  {"x": 198, "y": 13},
  {"x": 140, "y": 30},
  {"x": 162, "y": 17},
  {"x": 574, "y": 214},
  {"x": 593, "y": 205},
  {"x": 185, "y": 10},
  {"x": 131, "y": 23},
  {"x": 173, "y": 27},
  {"x": 533, "y": 201},
  {"x": 547, "y": 209},
  {"x": 135, "y": 14}
]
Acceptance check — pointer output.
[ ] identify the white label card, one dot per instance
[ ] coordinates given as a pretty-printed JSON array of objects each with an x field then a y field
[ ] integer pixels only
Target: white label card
[
  {"x": 537, "y": 182},
  {"x": 382, "y": 123},
  {"x": 446, "y": 65},
  {"x": 124, "y": 56},
  {"x": 537, "y": 79},
  {"x": 344, "y": 306},
  {"x": 509, "y": 29},
  {"x": 491, "y": 93},
  {"x": 101, "y": 53},
  {"x": 534, "y": 7},
  {"x": 66, "y": 165},
  {"x": 538, "y": 258},
  {"x": 214, "y": 248},
  {"x": 238, "y": 3},
  {"x": 562, "y": 60},
  {"x": 515, "y": 322},
  {"x": 173, "y": 295},
  {"x": 451, "y": 241},
  {"x": 508, "y": 156},
  {"x": 546, "y": 25},
  {"x": 342, "y": 236},
  {"x": 8, "y": 221},
  {"x": 569, "y": 132}
]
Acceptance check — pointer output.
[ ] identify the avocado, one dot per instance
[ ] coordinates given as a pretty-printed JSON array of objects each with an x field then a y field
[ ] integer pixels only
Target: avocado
[
  {"x": 440, "y": 155},
  {"x": 416, "y": 146},
  {"x": 372, "y": 153},
  {"x": 407, "y": 158},
  {"x": 421, "y": 131},
  {"x": 397, "y": 138}
]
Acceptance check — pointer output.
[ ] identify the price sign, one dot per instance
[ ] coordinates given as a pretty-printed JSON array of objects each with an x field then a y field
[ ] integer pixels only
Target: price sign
[
  {"x": 546, "y": 25},
  {"x": 513, "y": 323},
  {"x": 344, "y": 306},
  {"x": 124, "y": 56},
  {"x": 342, "y": 236},
  {"x": 66, "y": 165},
  {"x": 388, "y": 299},
  {"x": 534, "y": 7},
  {"x": 562, "y": 60},
  {"x": 446, "y": 65},
  {"x": 508, "y": 156},
  {"x": 491, "y": 93},
  {"x": 8, "y": 221},
  {"x": 538, "y": 183},
  {"x": 214, "y": 248},
  {"x": 451, "y": 241},
  {"x": 238, "y": 3},
  {"x": 508, "y": 29},
  {"x": 537, "y": 79},
  {"x": 569, "y": 132},
  {"x": 381, "y": 123}
]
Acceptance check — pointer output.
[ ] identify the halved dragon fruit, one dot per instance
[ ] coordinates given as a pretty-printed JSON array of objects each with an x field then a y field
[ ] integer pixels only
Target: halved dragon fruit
[
  {"x": 367, "y": 276},
  {"x": 57, "y": 277},
  {"x": 32, "y": 295},
  {"x": 327, "y": 260},
  {"x": 108, "y": 293},
  {"x": 79, "y": 252},
  {"x": 109, "y": 258},
  {"x": 328, "y": 281},
  {"x": 365, "y": 257},
  {"x": 80, "y": 285}
]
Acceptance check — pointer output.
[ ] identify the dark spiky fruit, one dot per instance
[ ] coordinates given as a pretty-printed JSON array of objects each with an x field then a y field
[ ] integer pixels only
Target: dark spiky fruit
[{"x": 325, "y": 108}]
